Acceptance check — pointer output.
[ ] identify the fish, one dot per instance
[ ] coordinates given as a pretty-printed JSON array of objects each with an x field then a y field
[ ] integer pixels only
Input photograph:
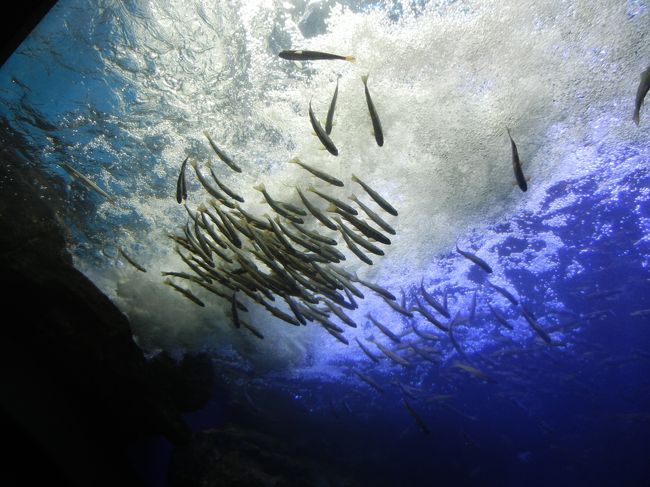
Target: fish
[
  {"x": 131, "y": 261},
  {"x": 430, "y": 318},
  {"x": 516, "y": 164},
  {"x": 231, "y": 233},
  {"x": 367, "y": 352},
  {"x": 373, "y": 216},
  {"x": 640, "y": 312},
  {"x": 378, "y": 289},
  {"x": 318, "y": 173},
  {"x": 374, "y": 117},
  {"x": 337, "y": 334},
  {"x": 369, "y": 381},
  {"x": 302, "y": 55},
  {"x": 477, "y": 260},
  {"x": 222, "y": 155},
  {"x": 233, "y": 310},
  {"x": 384, "y": 329},
  {"x": 505, "y": 293},
  {"x": 321, "y": 134},
  {"x": 356, "y": 250},
  {"x": 314, "y": 235},
  {"x": 385, "y": 205},
  {"x": 500, "y": 318},
  {"x": 418, "y": 420},
  {"x": 275, "y": 206},
  {"x": 319, "y": 215},
  {"x": 479, "y": 374},
  {"x": 472, "y": 307},
  {"x": 181, "y": 188},
  {"x": 432, "y": 301},
  {"x": 223, "y": 187},
  {"x": 536, "y": 326},
  {"x": 336, "y": 202},
  {"x": 341, "y": 315},
  {"x": 360, "y": 225},
  {"x": 357, "y": 239},
  {"x": 397, "y": 307},
  {"x": 454, "y": 342},
  {"x": 185, "y": 292},
  {"x": 86, "y": 181},
  {"x": 391, "y": 355},
  {"x": 252, "y": 219},
  {"x": 330, "y": 113},
  {"x": 215, "y": 193},
  {"x": 252, "y": 329},
  {"x": 642, "y": 91},
  {"x": 425, "y": 334}
]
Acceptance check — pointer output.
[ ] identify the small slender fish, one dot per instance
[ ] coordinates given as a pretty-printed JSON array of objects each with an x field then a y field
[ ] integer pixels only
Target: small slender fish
[
  {"x": 516, "y": 164},
  {"x": 384, "y": 329},
  {"x": 319, "y": 215},
  {"x": 378, "y": 289},
  {"x": 181, "y": 188},
  {"x": 479, "y": 374},
  {"x": 85, "y": 181},
  {"x": 505, "y": 293},
  {"x": 478, "y": 261},
  {"x": 425, "y": 334},
  {"x": 430, "y": 318},
  {"x": 369, "y": 381},
  {"x": 222, "y": 155},
  {"x": 300, "y": 55},
  {"x": 433, "y": 302},
  {"x": 535, "y": 325},
  {"x": 330, "y": 113},
  {"x": 500, "y": 318},
  {"x": 336, "y": 202},
  {"x": 320, "y": 133},
  {"x": 642, "y": 91},
  {"x": 131, "y": 261},
  {"x": 338, "y": 335},
  {"x": 376, "y": 124},
  {"x": 252, "y": 329},
  {"x": 357, "y": 239},
  {"x": 318, "y": 173},
  {"x": 223, "y": 187},
  {"x": 392, "y": 355},
  {"x": 185, "y": 292},
  {"x": 373, "y": 216},
  {"x": 356, "y": 250},
  {"x": 397, "y": 307},
  {"x": 385, "y": 205},
  {"x": 367, "y": 352},
  {"x": 275, "y": 206},
  {"x": 454, "y": 342},
  {"x": 418, "y": 420},
  {"x": 233, "y": 310}
]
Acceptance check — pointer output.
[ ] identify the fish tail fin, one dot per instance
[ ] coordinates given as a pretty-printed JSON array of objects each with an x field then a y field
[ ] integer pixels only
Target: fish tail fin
[
  {"x": 354, "y": 178},
  {"x": 331, "y": 208},
  {"x": 364, "y": 78},
  {"x": 259, "y": 187},
  {"x": 193, "y": 164},
  {"x": 312, "y": 189},
  {"x": 295, "y": 160},
  {"x": 636, "y": 118},
  {"x": 205, "y": 132},
  {"x": 352, "y": 59},
  {"x": 201, "y": 207}
]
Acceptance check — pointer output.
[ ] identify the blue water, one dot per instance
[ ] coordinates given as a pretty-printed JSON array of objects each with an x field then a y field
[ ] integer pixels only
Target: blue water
[{"x": 122, "y": 91}]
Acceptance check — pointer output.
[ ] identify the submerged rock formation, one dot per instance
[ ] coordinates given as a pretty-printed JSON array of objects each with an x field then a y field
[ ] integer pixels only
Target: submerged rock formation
[{"x": 76, "y": 387}]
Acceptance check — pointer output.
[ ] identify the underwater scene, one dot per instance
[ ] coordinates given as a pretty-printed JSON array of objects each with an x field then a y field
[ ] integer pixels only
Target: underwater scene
[{"x": 410, "y": 239}]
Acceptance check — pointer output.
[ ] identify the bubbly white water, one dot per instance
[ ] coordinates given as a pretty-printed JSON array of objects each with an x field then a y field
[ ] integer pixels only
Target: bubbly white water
[{"x": 446, "y": 77}]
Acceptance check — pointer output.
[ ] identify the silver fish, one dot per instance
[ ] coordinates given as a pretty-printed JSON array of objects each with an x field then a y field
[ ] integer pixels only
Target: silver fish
[
  {"x": 131, "y": 261},
  {"x": 385, "y": 205},
  {"x": 330, "y": 113},
  {"x": 181, "y": 188},
  {"x": 85, "y": 181},
  {"x": 516, "y": 164},
  {"x": 317, "y": 172},
  {"x": 374, "y": 116},
  {"x": 222, "y": 155},
  {"x": 321, "y": 134},
  {"x": 642, "y": 91},
  {"x": 477, "y": 260}
]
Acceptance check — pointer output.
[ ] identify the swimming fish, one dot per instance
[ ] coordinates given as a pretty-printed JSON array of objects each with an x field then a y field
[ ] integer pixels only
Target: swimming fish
[
  {"x": 432, "y": 301},
  {"x": 369, "y": 381},
  {"x": 300, "y": 55},
  {"x": 355, "y": 250},
  {"x": 373, "y": 216},
  {"x": 391, "y": 355},
  {"x": 321, "y": 134},
  {"x": 504, "y": 292},
  {"x": 275, "y": 206},
  {"x": 181, "y": 188},
  {"x": 535, "y": 325},
  {"x": 85, "y": 181},
  {"x": 478, "y": 261},
  {"x": 516, "y": 164},
  {"x": 330, "y": 113},
  {"x": 360, "y": 225},
  {"x": 642, "y": 91},
  {"x": 386, "y": 206},
  {"x": 376, "y": 124},
  {"x": 222, "y": 155},
  {"x": 223, "y": 187},
  {"x": 318, "y": 173},
  {"x": 357, "y": 239},
  {"x": 418, "y": 420},
  {"x": 378, "y": 289},
  {"x": 336, "y": 202},
  {"x": 252, "y": 329},
  {"x": 185, "y": 292},
  {"x": 131, "y": 261},
  {"x": 430, "y": 318},
  {"x": 500, "y": 318},
  {"x": 233, "y": 310},
  {"x": 479, "y": 374},
  {"x": 384, "y": 329},
  {"x": 367, "y": 352},
  {"x": 320, "y": 216}
]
